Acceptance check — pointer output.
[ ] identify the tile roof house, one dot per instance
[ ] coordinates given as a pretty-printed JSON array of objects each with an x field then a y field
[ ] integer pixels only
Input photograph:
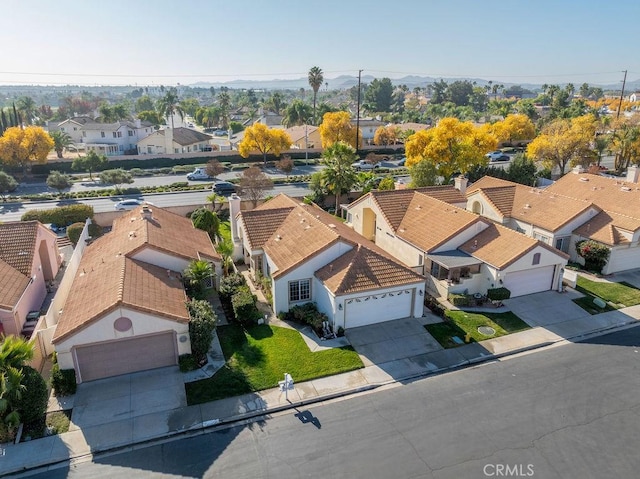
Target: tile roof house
[
  {"x": 174, "y": 140},
  {"x": 29, "y": 260},
  {"x": 127, "y": 311},
  {"x": 578, "y": 206},
  {"x": 304, "y": 136},
  {"x": 112, "y": 139},
  {"x": 311, "y": 256},
  {"x": 457, "y": 250}
]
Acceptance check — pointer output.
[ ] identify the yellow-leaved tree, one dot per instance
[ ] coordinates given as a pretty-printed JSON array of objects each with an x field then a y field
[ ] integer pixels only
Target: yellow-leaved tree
[
  {"x": 386, "y": 135},
  {"x": 564, "y": 142},
  {"x": 20, "y": 147},
  {"x": 513, "y": 129},
  {"x": 451, "y": 146},
  {"x": 264, "y": 140},
  {"x": 335, "y": 127}
]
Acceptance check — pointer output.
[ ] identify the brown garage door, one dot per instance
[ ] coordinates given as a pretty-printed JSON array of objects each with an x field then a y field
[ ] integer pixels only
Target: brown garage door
[{"x": 123, "y": 356}]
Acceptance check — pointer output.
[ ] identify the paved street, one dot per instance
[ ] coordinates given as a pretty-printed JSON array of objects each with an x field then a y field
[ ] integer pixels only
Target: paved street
[{"x": 570, "y": 411}]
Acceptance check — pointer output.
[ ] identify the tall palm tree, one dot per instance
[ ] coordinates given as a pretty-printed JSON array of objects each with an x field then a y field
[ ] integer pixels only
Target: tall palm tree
[
  {"x": 27, "y": 106},
  {"x": 169, "y": 105},
  {"x": 224, "y": 101},
  {"x": 315, "y": 82},
  {"x": 225, "y": 248},
  {"x": 61, "y": 140},
  {"x": 338, "y": 175}
]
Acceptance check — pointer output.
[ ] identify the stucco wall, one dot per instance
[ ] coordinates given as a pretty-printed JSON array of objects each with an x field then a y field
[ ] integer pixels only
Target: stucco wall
[
  {"x": 103, "y": 330},
  {"x": 161, "y": 259}
]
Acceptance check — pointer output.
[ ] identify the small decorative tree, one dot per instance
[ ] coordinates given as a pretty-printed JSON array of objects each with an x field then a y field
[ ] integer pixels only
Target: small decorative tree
[
  {"x": 58, "y": 181},
  {"x": 201, "y": 327},
  {"x": 595, "y": 254}
]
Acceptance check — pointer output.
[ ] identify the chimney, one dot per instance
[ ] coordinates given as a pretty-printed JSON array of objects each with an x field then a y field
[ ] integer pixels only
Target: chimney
[
  {"x": 633, "y": 174},
  {"x": 168, "y": 140},
  {"x": 460, "y": 183},
  {"x": 137, "y": 123},
  {"x": 146, "y": 212},
  {"x": 578, "y": 170},
  {"x": 234, "y": 210}
]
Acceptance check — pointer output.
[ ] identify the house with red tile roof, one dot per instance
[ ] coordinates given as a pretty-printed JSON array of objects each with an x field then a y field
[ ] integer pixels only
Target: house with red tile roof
[
  {"x": 457, "y": 250},
  {"x": 310, "y": 256},
  {"x": 576, "y": 207},
  {"x": 29, "y": 259},
  {"x": 127, "y": 309}
]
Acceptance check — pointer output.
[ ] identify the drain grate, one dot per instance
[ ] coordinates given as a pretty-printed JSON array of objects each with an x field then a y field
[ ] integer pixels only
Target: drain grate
[{"x": 486, "y": 330}]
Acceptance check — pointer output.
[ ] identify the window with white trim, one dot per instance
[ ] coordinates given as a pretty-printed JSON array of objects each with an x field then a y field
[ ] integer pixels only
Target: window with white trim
[{"x": 299, "y": 290}]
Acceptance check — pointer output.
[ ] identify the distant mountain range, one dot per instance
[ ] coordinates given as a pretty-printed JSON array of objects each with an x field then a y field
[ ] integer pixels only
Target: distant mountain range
[{"x": 344, "y": 82}]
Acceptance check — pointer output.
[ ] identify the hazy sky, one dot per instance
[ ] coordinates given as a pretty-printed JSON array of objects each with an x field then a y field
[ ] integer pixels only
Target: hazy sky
[{"x": 169, "y": 42}]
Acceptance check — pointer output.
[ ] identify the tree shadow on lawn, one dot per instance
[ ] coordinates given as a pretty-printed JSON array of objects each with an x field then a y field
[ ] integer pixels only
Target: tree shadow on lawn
[{"x": 236, "y": 347}]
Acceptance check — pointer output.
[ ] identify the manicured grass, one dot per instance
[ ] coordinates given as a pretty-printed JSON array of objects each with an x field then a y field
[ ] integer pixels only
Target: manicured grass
[
  {"x": 258, "y": 357},
  {"x": 460, "y": 323},
  {"x": 623, "y": 294}
]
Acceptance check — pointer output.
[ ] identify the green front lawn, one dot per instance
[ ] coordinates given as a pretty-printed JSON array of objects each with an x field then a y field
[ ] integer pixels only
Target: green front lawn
[
  {"x": 622, "y": 294},
  {"x": 258, "y": 357},
  {"x": 461, "y": 323}
]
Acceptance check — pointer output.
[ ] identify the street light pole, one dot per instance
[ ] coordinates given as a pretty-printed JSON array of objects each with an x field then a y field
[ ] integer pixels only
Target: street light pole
[{"x": 358, "y": 111}]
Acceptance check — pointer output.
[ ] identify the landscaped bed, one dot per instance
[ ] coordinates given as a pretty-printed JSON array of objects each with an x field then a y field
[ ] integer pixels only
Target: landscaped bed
[
  {"x": 54, "y": 423},
  {"x": 615, "y": 295},
  {"x": 258, "y": 357},
  {"x": 460, "y": 323}
]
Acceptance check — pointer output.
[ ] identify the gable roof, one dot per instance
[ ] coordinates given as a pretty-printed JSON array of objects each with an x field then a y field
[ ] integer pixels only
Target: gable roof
[
  {"x": 393, "y": 204},
  {"x": 608, "y": 227},
  {"x": 299, "y": 132},
  {"x": 362, "y": 269},
  {"x": 500, "y": 246},
  {"x": 186, "y": 136},
  {"x": 429, "y": 222},
  {"x": 108, "y": 276}
]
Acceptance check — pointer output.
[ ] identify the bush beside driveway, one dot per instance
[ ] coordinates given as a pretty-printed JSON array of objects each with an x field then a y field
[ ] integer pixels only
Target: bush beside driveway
[{"x": 258, "y": 357}]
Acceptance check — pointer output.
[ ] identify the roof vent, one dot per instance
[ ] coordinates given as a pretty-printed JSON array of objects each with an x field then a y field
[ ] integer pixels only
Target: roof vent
[
  {"x": 278, "y": 237},
  {"x": 331, "y": 225},
  {"x": 527, "y": 206},
  {"x": 146, "y": 212},
  {"x": 132, "y": 234},
  {"x": 584, "y": 178},
  {"x": 625, "y": 188},
  {"x": 475, "y": 244}
]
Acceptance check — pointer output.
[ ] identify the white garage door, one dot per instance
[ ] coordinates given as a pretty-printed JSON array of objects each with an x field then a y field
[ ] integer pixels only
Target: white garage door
[
  {"x": 123, "y": 356},
  {"x": 530, "y": 281},
  {"x": 376, "y": 308},
  {"x": 623, "y": 259}
]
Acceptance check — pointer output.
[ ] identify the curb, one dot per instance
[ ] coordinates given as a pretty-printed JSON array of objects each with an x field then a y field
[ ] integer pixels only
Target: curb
[{"x": 210, "y": 424}]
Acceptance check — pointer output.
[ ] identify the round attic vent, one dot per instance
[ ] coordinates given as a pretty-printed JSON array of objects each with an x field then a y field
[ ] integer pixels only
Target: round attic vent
[{"x": 122, "y": 324}]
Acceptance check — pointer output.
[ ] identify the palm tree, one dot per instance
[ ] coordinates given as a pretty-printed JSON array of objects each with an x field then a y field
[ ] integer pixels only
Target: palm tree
[
  {"x": 196, "y": 274},
  {"x": 296, "y": 113},
  {"x": 339, "y": 176},
  {"x": 14, "y": 352},
  {"x": 169, "y": 105},
  {"x": 225, "y": 248},
  {"x": 27, "y": 106},
  {"x": 315, "y": 82},
  {"x": 225, "y": 104},
  {"x": 61, "y": 140},
  {"x": 216, "y": 201}
]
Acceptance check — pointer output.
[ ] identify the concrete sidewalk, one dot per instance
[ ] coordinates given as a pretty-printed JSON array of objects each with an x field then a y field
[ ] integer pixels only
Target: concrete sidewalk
[{"x": 120, "y": 434}]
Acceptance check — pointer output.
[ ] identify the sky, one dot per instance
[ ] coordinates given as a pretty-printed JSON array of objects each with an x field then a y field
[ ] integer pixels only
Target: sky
[{"x": 124, "y": 42}]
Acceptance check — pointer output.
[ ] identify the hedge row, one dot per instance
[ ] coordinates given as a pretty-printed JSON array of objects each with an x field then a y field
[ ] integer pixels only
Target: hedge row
[{"x": 61, "y": 216}]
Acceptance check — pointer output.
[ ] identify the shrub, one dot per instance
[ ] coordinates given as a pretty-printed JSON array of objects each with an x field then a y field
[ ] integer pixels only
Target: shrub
[
  {"x": 229, "y": 285},
  {"x": 458, "y": 299},
  {"x": 244, "y": 306},
  {"x": 74, "y": 231},
  {"x": 498, "y": 294},
  {"x": 62, "y": 216},
  {"x": 187, "y": 362},
  {"x": 201, "y": 327},
  {"x": 433, "y": 305},
  {"x": 306, "y": 313},
  {"x": 63, "y": 381},
  {"x": 32, "y": 405},
  {"x": 595, "y": 254}
]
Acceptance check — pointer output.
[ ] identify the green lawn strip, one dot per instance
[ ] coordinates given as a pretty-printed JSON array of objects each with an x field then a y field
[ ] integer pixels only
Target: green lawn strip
[
  {"x": 462, "y": 322},
  {"x": 617, "y": 293},
  {"x": 258, "y": 358},
  {"x": 586, "y": 303}
]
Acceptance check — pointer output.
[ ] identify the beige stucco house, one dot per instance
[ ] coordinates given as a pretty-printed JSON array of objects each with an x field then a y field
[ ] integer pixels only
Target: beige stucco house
[
  {"x": 310, "y": 256},
  {"x": 126, "y": 311},
  {"x": 29, "y": 260},
  {"x": 173, "y": 141},
  {"x": 304, "y": 136}
]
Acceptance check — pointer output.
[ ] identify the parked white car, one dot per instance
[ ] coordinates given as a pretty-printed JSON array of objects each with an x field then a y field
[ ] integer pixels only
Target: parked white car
[
  {"x": 126, "y": 205},
  {"x": 198, "y": 174},
  {"x": 364, "y": 165},
  {"x": 494, "y": 154}
]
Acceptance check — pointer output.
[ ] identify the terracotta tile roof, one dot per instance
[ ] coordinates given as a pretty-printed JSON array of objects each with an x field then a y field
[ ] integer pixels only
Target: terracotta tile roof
[
  {"x": 260, "y": 225},
  {"x": 545, "y": 208},
  {"x": 393, "y": 204},
  {"x": 18, "y": 244},
  {"x": 186, "y": 136},
  {"x": 608, "y": 228},
  {"x": 108, "y": 277},
  {"x": 429, "y": 222},
  {"x": 500, "y": 246},
  {"x": 304, "y": 232},
  {"x": 609, "y": 194},
  {"x": 362, "y": 269},
  {"x": 299, "y": 132},
  {"x": 12, "y": 285}
]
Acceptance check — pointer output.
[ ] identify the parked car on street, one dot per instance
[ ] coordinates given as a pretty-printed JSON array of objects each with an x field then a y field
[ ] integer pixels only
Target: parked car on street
[
  {"x": 221, "y": 133},
  {"x": 131, "y": 204},
  {"x": 223, "y": 188},
  {"x": 494, "y": 154},
  {"x": 500, "y": 158},
  {"x": 364, "y": 165}
]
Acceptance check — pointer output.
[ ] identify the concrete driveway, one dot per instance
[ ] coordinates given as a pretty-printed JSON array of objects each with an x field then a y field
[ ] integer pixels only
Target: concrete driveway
[
  {"x": 546, "y": 309},
  {"x": 127, "y": 396},
  {"x": 391, "y": 340},
  {"x": 631, "y": 277}
]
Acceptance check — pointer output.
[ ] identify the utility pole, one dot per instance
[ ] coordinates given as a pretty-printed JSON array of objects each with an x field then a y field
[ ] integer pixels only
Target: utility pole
[
  {"x": 358, "y": 111},
  {"x": 624, "y": 81}
]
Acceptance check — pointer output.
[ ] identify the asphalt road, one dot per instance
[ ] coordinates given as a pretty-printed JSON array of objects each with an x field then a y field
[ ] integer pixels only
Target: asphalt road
[{"x": 565, "y": 412}]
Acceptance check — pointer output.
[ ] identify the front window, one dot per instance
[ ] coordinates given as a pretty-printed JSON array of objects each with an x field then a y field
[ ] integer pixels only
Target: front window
[
  {"x": 541, "y": 237},
  {"x": 299, "y": 290},
  {"x": 563, "y": 244},
  {"x": 102, "y": 134}
]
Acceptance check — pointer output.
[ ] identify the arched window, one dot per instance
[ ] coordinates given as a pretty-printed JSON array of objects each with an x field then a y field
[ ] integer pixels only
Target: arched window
[{"x": 477, "y": 207}]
